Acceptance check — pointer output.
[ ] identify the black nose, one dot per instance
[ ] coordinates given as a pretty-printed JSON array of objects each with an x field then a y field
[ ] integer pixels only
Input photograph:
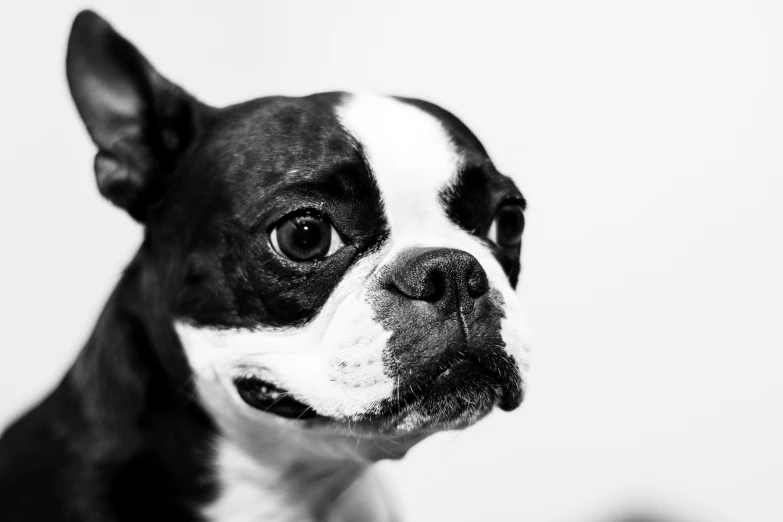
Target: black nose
[{"x": 445, "y": 277}]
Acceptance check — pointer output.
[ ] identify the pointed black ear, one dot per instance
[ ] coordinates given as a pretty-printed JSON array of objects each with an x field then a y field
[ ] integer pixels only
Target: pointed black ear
[{"x": 139, "y": 120}]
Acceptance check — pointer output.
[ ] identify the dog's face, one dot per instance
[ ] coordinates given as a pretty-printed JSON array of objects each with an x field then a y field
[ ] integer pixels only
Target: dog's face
[
  {"x": 337, "y": 259},
  {"x": 362, "y": 265}
]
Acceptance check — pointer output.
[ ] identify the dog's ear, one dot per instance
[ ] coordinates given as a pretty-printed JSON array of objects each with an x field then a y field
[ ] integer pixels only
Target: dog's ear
[{"x": 140, "y": 121}]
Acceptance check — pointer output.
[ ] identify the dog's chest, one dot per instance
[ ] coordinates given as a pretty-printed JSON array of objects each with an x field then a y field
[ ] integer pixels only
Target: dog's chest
[{"x": 252, "y": 492}]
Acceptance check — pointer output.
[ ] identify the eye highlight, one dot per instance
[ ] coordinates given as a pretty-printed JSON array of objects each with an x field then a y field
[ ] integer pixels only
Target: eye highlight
[
  {"x": 305, "y": 236},
  {"x": 508, "y": 225}
]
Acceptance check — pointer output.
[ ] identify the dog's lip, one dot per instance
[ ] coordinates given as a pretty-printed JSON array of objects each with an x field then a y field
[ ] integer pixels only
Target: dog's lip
[
  {"x": 508, "y": 387},
  {"x": 265, "y": 396},
  {"x": 479, "y": 382}
]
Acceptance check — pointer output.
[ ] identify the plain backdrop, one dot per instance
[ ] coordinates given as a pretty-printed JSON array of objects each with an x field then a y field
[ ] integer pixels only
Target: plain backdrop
[{"x": 647, "y": 138}]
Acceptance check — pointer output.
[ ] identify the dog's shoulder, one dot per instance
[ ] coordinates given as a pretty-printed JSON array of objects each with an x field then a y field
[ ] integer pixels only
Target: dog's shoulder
[{"x": 36, "y": 460}]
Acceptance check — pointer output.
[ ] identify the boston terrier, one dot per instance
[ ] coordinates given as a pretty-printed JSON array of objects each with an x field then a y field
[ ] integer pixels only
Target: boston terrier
[{"x": 323, "y": 282}]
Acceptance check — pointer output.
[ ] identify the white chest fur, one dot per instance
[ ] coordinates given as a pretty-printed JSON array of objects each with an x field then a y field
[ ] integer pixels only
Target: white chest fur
[{"x": 252, "y": 492}]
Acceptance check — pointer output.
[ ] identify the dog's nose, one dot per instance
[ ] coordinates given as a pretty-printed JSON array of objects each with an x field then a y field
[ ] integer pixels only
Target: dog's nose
[{"x": 448, "y": 278}]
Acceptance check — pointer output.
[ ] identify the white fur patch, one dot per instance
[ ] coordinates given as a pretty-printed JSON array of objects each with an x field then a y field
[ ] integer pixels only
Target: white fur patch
[{"x": 412, "y": 159}]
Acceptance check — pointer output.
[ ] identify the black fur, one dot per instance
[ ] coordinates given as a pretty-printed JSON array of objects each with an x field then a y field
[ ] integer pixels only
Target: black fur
[
  {"x": 121, "y": 438},
  {"x": 258, "y": 162},
  {"x": 472, "y": 202}
]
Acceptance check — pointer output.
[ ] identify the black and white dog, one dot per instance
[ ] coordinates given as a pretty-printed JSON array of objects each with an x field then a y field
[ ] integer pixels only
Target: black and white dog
[{"x": 324, "y": 281}]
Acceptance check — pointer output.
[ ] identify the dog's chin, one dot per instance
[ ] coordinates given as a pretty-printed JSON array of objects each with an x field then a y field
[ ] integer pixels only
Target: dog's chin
[{"x": 458, "y": 397}]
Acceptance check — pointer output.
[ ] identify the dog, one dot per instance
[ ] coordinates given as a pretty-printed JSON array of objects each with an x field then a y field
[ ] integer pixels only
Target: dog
[{"x": 323, "y": 282}]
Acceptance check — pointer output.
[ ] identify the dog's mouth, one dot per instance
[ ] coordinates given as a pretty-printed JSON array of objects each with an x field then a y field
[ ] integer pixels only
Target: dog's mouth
[
  {"x": 269, "y": 398},
  {"x": 457, "y": 395}
]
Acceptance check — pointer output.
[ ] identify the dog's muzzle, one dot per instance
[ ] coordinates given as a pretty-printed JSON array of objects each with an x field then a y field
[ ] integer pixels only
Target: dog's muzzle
[
  {"x": 446, "y": 354},
  {"x": 447, "y": 351}
]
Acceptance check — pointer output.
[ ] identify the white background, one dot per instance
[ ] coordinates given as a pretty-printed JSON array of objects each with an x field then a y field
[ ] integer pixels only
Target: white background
[{"x": 647, "y": 138}]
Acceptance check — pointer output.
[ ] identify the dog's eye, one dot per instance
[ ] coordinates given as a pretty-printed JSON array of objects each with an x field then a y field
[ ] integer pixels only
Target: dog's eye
[
  {"x": 305, "y": 236},
  {"x": 507, "y": 228}
]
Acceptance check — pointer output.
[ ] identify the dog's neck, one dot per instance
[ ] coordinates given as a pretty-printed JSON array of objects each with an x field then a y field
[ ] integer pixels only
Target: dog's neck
[
  {"x": 142, "y": 420},
  {"x": 277, "y": 471},
  {"x": 126, "y": 414}
]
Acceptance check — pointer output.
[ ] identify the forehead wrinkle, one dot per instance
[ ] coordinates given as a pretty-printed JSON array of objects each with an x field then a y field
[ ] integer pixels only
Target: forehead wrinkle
[{"x": 411, "y": 156}]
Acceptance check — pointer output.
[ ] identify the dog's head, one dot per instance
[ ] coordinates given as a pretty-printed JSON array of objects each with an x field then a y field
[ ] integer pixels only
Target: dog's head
[{"x": 332, "y": 260}]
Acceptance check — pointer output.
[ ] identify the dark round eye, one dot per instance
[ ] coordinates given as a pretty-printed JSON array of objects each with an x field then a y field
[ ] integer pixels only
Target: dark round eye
[
  {"x": 305, "y": 237},
  {"x": 507, "y": 228}
]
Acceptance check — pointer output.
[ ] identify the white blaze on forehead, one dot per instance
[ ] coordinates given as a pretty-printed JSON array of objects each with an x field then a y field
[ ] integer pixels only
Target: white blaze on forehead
[
  {"x": 413, "y": 160},
  {"x": 411, "y": 156}
]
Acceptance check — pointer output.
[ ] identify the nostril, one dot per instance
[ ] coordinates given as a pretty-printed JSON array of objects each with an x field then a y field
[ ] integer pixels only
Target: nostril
[
  {"x": 418, "y": 285},
  {"x": 478, "y": 284},
  {"x": 433, "y": 288}
]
